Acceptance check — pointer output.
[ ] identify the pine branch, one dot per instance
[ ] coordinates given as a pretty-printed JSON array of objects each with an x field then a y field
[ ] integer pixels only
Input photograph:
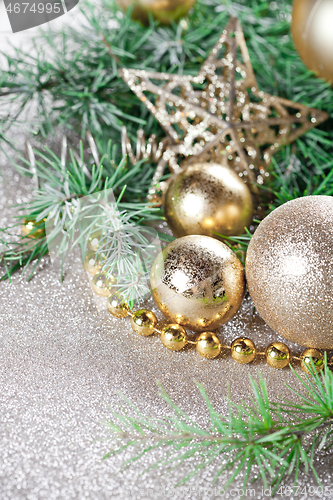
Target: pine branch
[{"x": 250, "y": 438}]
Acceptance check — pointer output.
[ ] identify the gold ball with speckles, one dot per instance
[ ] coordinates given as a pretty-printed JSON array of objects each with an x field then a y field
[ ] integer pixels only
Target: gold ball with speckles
[
  {"x": 101, "y": 284},
  {"x": 144, "y": 322},
  {"x": 208, "y": 345},
  {"x": 311, "y": 28},
  {"x": 174, "y": 337},
  {"x": 117, "y": 306},
  {"x": 317, "y": 358},
  {"x": 243, "y": 350},
  {"x": 289, "y": 271},
  {"x": 164, "y": 11},
  {"x": 198, "y": 282},
  {"x": 208, "y": 197},
  {"x": 277, "y": 355}
]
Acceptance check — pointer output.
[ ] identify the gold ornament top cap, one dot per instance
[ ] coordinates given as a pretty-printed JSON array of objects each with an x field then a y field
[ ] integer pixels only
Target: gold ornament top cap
[{"x": 229, "y": 120}]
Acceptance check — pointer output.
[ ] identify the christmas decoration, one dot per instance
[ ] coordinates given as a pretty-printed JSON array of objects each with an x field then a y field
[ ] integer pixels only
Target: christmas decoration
[
  {"x": 101, "y": 284},
  {"x": 208, "y": 345},
  {"x": 198, "y": 282},
  {"x": 208, "y": 197},
  {"x": 243, "y": 350},
  {"x": 33, "y": 229},
  {"x": 277, "y": 355},
  {"x": 164, "y": 11},
  {"x": 174, "y": 337},
  {"x": 289, "y": 271},
  {"x": 220, "y": 114},
  {"x": 313, "y": 35},
  {"x": 93, "y": 263}
]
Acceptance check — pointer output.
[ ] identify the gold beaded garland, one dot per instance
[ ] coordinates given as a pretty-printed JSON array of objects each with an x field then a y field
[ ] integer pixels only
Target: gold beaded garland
[
  {"x": 164, "y": 11},
  {"x": 144, "y": 322},
  {"x": 243, "y": 350},
  {"x": 277, "y": 355},
  {"x": 208, "y": 345},
  {"x": 314, "y": 355},
  {"x": 33, "y": 229},
  {"x": 94, "y": 239},
  {"x": 101, "y": 284},
  {"x": 174, "y": 337},
  {"x": 92, "y": 263},
  {"x": 116, "y": 306}
]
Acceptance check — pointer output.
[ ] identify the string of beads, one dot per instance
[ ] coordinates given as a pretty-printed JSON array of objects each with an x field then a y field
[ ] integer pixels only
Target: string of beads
[{"x": 174, "y": 336}]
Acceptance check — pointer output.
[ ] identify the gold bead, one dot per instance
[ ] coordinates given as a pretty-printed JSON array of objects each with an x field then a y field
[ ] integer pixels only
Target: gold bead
[
  {"x": 277, "y": 355},
  {"x": 117, "y": 306},
  {"x": 317, "y": 358},
  {"x": 101, "y": 284},
  {"x": 243, "y": 350},
  {"x": 94, "y": 240},
  {"x": 208, "y": 345},
  {"x": 174, "y": 337},
  {"x": 33, "y": 229},
  {"x": 92, "y": 263},
  {"x": 165, "y": 12},
  {"x": 144, "y": 322}
]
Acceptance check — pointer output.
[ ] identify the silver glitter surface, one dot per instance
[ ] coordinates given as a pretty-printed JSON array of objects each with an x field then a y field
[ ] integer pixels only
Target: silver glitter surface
[{"x": 62, "y": 363}]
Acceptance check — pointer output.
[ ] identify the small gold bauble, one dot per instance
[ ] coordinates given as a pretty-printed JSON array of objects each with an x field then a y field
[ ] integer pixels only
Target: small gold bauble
[
  {"x": 94, "y": 240},
  {"x": 312, "y": 32},
  {"x": 317, "y": 358},
  {"x": 117, "y": 306},
  {"x": 208, "y": 197},
  {"x": 144, "y": 322},
  {"x": 164, "y": 11},
  {"x": 33, "y": 229},
  {"x": 208, "y": 345},
  {"x": 243, "y": 350},
  {"x": 174, "y": 337},
  {"x": 277, "y": 355},
  {"x": 92, "y": 263},
  {"x": 101, "y": 284},
  {"x": 289, "y": 271},
  {"x": 198, "y": 282}
]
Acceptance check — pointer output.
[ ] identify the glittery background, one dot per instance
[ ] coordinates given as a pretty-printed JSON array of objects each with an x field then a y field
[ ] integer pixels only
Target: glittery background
[{"x": 62, "y": 363}]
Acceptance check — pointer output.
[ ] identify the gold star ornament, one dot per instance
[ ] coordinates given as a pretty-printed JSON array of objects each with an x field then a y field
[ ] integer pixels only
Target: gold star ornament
[{"x": 220, "y": 114}]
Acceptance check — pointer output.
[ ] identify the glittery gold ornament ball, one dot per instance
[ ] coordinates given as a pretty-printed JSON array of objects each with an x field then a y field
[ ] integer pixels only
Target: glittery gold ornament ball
[
  {"x": 208, "y": 197},
  {"x": 289, "y": 271},
  {"x": 312, "y": 22},
  {"x": 164, "y": 11},
  {"x": 33, "y": 229},
  {"x": 198, "y": 282}
]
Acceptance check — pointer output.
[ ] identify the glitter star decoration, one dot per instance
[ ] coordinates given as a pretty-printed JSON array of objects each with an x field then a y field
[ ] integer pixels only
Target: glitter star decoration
[{"x": 220, "y": 114}]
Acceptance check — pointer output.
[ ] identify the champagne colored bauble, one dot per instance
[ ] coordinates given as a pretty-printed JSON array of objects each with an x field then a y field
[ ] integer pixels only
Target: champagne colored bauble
[
  {"x": 289, "y": 271},
  {"x": 197, "y": 282},
  {"x": 208, "y": 197},
  {"x": 312, "y": 23},
  {"x": 164, "y": 11}
]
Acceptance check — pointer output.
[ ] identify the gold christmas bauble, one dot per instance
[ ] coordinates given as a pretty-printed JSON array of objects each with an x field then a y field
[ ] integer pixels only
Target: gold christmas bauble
[
  {"x": 312, "y": 22},
  {"x": 143, "y": 322},
  {"x": 174, "y": 337},
  {"x": 198, "y": 282},
  {"x": 289, "y": 271},
  {"x": 208, "y": 197},
  {"x": 208, "y": 345},
  {"x": 243, "y": 350},
  {"x": 277, "y": 355},
  {"x": 164, "y": 11}
]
